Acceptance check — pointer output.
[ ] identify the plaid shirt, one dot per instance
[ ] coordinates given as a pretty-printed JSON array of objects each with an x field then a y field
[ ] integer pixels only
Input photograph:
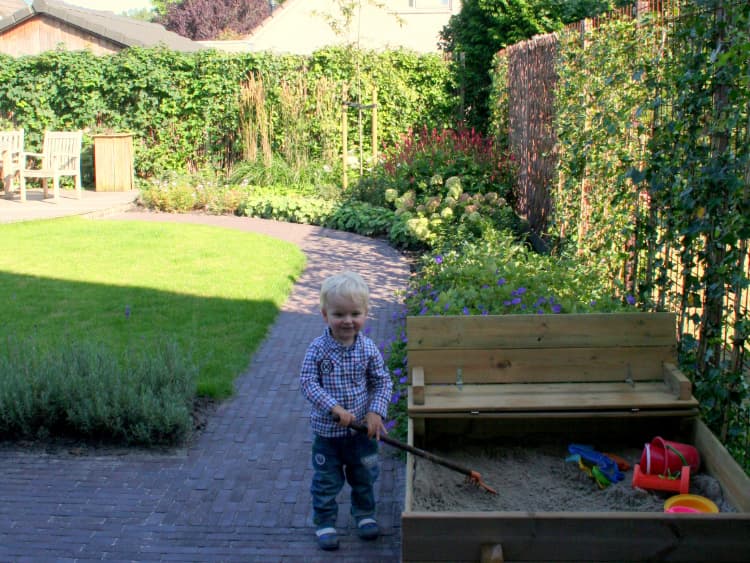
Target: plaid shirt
[{"x": 354, "y": 377}]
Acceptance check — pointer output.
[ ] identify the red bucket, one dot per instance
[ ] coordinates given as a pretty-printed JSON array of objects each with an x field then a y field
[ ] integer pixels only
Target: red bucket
[{"x": 661, "y": 457}]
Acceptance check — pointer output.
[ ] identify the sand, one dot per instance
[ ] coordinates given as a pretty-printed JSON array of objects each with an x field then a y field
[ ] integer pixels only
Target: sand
[{"x": 538, "y": 479}]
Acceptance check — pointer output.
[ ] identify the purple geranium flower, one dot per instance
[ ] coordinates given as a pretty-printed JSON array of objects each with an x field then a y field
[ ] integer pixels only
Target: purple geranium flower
[
  {"x": 630, "y": 299},
  {"x": 556, "y": 308},
  {"x": 395, "y": 397},
  {"x": 501, "y": 281},
  {"x": 466, "y": 311},
  {"x": 439, "y": 259},
  {"x": 390, "y": 424}
]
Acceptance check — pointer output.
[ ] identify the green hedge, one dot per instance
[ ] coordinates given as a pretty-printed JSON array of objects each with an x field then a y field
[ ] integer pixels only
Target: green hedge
[{"x": 183, "y": 109}]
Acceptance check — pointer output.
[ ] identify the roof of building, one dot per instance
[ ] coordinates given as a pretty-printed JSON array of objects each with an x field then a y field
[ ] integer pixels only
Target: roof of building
[
  {"x": 7, "y": 7},
  {"x": 121, "y": 30}
]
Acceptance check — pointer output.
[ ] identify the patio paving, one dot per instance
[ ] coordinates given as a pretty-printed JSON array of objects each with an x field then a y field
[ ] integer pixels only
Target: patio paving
[{"x": 239, "y": 492}]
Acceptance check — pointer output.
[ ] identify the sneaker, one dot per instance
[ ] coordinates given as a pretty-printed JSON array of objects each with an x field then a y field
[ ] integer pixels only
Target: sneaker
[
  {"x": 327, "y": 538},
  {"x": 367, "y": 529}
]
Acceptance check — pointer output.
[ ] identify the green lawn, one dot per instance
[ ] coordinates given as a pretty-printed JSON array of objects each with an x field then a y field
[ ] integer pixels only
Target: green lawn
[{"x": 131, "y": 284}]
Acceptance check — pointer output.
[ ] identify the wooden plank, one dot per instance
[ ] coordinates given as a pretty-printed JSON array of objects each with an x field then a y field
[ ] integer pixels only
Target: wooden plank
[
  {"x": 541, "y": 331},
  {"x": 677, "y": 381},
  {"x": 719, "y": 462},
  {"x": 417, "y": 385},
  {"x": 549, "y": 397},
  {"x": 563, "y": 536},
  {"x": 408, "y": 499},
  {"x": 542, "y": 365}
]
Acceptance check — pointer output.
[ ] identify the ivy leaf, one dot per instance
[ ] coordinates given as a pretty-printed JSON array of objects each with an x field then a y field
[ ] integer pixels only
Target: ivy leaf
[{"x": 636, "y": 176}]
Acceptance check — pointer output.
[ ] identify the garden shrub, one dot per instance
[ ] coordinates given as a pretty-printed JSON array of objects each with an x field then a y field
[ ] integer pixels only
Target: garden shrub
[
  {"x": 291, "y": 208},
  {"x": 143, "y": 397},
  {"x": 361, "y": 218},
  {"x": 436, "y": 180}
]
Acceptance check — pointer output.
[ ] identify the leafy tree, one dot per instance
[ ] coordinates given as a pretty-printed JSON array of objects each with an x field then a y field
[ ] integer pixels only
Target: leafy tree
[
  {"x": 213, "y": 19},
  {"x": 483, "y": 27},
  {"x": 160, "y": 6}
]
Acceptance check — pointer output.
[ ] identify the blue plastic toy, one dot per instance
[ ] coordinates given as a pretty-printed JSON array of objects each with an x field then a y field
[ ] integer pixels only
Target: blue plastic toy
[{"x": 600, "y": 464}]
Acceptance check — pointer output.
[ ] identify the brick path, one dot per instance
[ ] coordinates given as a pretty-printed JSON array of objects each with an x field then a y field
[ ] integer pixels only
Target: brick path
[{"x": 240, "y": 492}]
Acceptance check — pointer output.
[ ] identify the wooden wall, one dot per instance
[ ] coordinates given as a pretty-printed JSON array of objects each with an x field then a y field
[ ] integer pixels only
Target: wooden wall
[{"x": 42, "y": 33}]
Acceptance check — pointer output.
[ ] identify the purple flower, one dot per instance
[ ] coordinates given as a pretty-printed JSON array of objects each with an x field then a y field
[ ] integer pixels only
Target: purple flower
[
  {"x": 593, "y": 303},
  {"x": 423, "y": 311},
  {"x": 506, "y": 303},
  {"x": 485, "y": 312},
  {"x": 390, "y": 424},
  {"x": 540, "y": 301},
  {"x": 630, "y": 299},
  {"x": 540, "y": 311},
  {"x": 439, "y": 259},
  {"x": 127, "y": 311},
  {"x": 556, "y": 308},
  {"x": 397, "y": 371},
  {"x": 516, "y": 301},
  {"x": 395, "y": 397},
  {"x": 501, "y": 281},
  {"x": 485, "y": 286},
  {"x": 447, "y": 306},
  {"x": 404, "y": 379},
  {"x": 465, "y": 311},
  {"x": 519, "y": 291}
]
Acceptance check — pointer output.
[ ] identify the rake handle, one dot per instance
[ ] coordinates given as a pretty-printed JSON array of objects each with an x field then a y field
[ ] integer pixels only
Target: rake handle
[{"x": 416, "y": 451}]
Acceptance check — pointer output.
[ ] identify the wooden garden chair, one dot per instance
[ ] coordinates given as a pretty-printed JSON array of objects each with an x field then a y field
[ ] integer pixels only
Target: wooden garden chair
[
  {"x": 11, "y": 147},
  {"x": 60, "y": 156}
]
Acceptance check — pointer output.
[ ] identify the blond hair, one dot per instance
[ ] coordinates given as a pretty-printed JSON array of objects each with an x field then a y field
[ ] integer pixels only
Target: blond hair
[{"x": 348, "y": 285}]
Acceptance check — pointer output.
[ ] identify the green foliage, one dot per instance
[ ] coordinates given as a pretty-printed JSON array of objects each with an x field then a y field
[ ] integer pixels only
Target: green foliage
[
  {"x": 496, "y": 275},
  {"x": 652, "y": 123},
  {"x": 143, "y": 397},
  {"x": 291, "y": 208},
  {"x": 361, "y": 218},
  {"x": 183, "y": 108},
  {"x": 436, "y": 180},
  {"x": 483, "y": 27},
  {"x": 315, "y": 178},
  {"x": 601, "y": 122}
]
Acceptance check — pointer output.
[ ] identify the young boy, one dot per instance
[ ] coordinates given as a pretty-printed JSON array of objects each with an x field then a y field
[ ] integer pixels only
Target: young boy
[{"x": 345, "y": 379}]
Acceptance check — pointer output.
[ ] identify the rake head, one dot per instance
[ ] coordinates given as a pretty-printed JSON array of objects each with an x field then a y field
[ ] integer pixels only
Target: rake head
[{"x": 475, "y": 479}]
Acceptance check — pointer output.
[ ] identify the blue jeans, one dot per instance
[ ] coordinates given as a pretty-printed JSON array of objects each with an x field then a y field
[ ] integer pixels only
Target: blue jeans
[{"x": 354, "y": 458}]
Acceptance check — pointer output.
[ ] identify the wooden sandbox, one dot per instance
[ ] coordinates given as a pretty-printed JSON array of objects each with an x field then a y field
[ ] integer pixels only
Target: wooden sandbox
[{"x": 573, "y": 378}]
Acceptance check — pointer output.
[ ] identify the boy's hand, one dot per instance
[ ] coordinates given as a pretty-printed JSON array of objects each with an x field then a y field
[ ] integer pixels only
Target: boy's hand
[
  {"x": 375, "y": 426},
  {"x": 345, "y": 418}
]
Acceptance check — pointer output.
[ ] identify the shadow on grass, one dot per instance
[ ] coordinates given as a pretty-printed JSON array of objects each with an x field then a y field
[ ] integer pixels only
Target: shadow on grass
[{"x": 219, "y": 334}]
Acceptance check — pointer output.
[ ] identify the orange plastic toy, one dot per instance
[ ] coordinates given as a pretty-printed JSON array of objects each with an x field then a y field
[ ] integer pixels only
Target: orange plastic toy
[{"x": 660, "y": 482}]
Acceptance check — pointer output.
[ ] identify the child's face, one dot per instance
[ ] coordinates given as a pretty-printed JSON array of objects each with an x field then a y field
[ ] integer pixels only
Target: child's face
[{"x": 345, "y": 317}]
